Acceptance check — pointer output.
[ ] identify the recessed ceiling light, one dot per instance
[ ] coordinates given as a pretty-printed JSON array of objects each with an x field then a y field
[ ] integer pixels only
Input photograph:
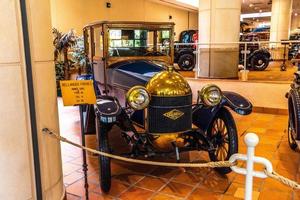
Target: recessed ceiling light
[
  {"x": 296, "y": 14},
  {"x": 250, "y": 5},
  {"x": 260, "y": 11}
]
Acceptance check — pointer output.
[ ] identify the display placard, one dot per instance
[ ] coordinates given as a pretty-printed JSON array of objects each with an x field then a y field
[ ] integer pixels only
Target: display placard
[{"x": 77, "y": 92}]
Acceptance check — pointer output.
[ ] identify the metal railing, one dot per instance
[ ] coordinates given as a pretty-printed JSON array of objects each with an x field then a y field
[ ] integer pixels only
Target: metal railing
[{"x": 280, "y": 51}]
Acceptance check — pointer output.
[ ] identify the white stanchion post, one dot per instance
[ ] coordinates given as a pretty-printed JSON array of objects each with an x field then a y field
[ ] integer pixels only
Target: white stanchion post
[
  {"x": 196, "y": 69},
  {"x": 251, "y": 141}
]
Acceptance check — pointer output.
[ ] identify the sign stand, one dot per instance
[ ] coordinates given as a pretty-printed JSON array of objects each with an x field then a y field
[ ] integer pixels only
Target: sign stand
[
  {"x": 84, "y": 163},
  {"x": 82, "y": 94}
]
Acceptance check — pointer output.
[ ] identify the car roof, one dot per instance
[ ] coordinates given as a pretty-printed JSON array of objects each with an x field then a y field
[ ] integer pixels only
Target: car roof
[{"x": 99, "y": 23}]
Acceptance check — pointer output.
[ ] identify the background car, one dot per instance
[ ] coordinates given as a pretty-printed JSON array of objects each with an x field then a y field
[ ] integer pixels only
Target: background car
[
  {"x": 257, "y": 58},
  {"x": 184, "y": 54},
  {"x": 294, "y": 47}
]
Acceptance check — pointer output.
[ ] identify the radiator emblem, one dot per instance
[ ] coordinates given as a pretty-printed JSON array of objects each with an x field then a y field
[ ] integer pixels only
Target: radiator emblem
[{"x": 173, "y": 114}]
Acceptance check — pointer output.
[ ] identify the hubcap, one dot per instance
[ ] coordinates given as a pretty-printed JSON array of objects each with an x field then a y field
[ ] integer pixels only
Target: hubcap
[
  {"x": 220, "y": 139},
  {"x": 186, "y": 62},
  {"x": 260, "y": 63}
]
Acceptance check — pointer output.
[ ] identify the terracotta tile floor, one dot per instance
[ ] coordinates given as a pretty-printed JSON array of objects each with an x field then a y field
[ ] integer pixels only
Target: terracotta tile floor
[{"x": 132, "y": 181}]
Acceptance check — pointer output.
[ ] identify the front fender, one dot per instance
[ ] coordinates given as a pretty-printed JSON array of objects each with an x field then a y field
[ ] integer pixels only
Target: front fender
[
  {"x": 260, "y": 51},
  {"x": 237, "y": 103},
  {"x": 202, "y": 116}
]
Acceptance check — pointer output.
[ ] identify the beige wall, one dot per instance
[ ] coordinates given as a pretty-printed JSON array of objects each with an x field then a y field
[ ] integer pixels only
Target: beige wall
[
  {"x": 260, "y": 94},
  {"x": 67, "y": 14},
  {"x": 16, "y": 156}
]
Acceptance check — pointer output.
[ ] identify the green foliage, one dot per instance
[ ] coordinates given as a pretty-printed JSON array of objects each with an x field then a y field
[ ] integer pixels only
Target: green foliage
[
  {"x": 59, "y": 70},
  {"x": 62, "y": 44},
  {"x": 77, "y": 54}
]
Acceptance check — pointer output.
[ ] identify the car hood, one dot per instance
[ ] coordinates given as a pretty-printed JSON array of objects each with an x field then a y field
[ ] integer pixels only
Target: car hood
[{"x": 127, "y": 74}]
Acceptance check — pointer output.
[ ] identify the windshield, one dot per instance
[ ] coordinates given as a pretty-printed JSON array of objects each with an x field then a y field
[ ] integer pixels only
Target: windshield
[{"x": 137, "y": 42}]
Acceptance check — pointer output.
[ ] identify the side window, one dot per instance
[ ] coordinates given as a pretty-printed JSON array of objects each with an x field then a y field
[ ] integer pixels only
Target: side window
[{"x": 98, "y": 42}]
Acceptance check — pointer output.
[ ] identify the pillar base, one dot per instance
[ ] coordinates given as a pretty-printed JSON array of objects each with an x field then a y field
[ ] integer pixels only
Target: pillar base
[{"x": 219, "y": 62}]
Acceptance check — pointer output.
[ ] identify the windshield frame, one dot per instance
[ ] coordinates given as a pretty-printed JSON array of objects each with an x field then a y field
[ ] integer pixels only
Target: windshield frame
[{"x": 149, "y": 26}]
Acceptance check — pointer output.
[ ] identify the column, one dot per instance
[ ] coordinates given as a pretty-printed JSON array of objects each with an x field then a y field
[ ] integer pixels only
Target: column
[
  {"x": 280, "y": 19},
  {"x": 16, "y": 152},
  {"x": 219, "y": 22}
]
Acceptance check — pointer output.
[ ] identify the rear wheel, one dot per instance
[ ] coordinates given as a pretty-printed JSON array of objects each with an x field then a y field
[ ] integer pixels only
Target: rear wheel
[
  {"x": 259, "y": 62},
  {"x": 186, "y": 62},
  {"x": 222, "y": 133},
  {"x": 104, "y": 162},
  {"x": 294, "y": 120}
]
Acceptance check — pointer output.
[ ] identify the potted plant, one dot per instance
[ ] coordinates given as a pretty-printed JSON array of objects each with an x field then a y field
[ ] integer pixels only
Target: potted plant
[{"x": 62, "y": 43}]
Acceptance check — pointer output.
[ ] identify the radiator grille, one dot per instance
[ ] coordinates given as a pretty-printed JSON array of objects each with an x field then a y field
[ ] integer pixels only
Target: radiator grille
[{"x": 170, "y": 114}]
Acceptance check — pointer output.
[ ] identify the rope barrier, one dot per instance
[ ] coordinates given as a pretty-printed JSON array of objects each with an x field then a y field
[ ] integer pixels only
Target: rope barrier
[
  {"x": 272, "y": 175},
  {"x": 145, "y": 162},
  {"x": 283, "y": 180}
]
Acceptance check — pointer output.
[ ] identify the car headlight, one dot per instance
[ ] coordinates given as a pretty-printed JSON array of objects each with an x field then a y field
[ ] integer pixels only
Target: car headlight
[
  {"x": 138, "y": 97},
  {"x": 211, "y": 95}
]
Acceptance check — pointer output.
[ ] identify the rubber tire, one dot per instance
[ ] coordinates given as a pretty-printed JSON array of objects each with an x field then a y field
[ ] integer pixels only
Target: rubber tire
[
  {"x": 184, "y": 57},
  {"x": 294, "y": 107},
  {"x": 229, "y": 122},
  {"x": 255, "y": 58},
  {"x": 104, "y": 162}
]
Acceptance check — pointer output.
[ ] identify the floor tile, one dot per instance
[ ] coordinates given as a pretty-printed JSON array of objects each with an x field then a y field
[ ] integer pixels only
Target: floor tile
[
  {"x": 117, "y": 188},
  {"x": 152, "y": 183},
  {"x": 200, "y": 194},
  {"x": 136, "y": 193},
  {"x": 274, "y": 195},
  {"x": 240, "y": 193},
  {"x": 177, "y": 189},
  {"x": 160, "y": 196}
]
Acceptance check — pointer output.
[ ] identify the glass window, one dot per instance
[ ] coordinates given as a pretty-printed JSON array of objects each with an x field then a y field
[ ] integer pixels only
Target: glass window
[{"x": 137, "y": 42}]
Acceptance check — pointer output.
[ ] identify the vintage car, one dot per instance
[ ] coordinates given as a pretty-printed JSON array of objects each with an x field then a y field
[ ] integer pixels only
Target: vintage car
[
  {"x": 257, "y": 58},
  {"x": 184, "y": 54},
  {"x": 294, "y": 48},
  {"x": 293, "y": 97},
  {"x": 139, "y": 91}
]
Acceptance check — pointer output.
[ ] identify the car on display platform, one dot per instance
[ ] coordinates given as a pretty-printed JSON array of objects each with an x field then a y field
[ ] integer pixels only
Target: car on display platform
[
  {"x": 294, "y": 48},
  {"x": 258, "y": 58},
  {"x": 184, "y": 54},
  {"x": 139, "y": 91}
]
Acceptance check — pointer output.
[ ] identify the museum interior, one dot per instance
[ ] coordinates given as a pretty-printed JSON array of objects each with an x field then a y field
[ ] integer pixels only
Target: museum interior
[{"x": 150, "y": 99}]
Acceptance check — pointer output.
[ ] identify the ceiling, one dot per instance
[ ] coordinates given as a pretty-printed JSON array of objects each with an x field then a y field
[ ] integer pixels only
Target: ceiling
[
  {"x": 255, "y": 6},
  {"x": 248, "y": 6}
]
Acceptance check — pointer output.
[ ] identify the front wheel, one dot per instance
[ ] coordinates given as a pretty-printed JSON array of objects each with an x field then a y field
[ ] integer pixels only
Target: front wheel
[
  {"x": 294, "y": 119},
  {"x": 104, "y": 162},
  {"x": 222, "y": 133}
]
